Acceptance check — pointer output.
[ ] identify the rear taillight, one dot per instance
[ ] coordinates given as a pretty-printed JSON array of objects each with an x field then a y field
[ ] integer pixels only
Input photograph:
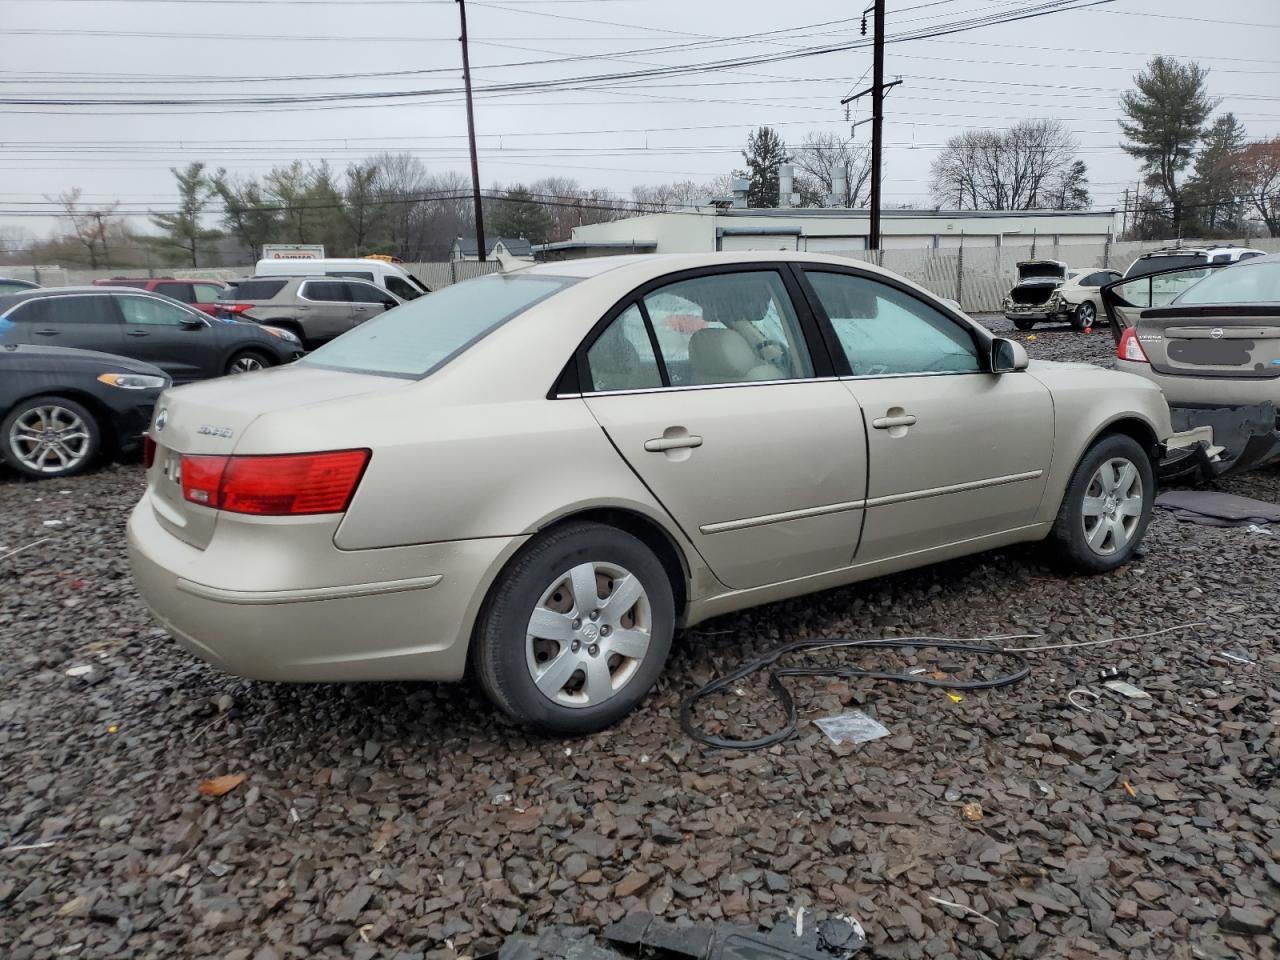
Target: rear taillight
[
  {"x": 275, "y": 486},
  {"x": 1129, "y": 348},
  {"x": 148, "y": 452},
  {"x": 234, "y": 309}
]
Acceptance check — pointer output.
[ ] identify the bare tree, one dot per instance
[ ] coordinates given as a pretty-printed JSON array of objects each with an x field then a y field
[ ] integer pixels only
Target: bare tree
[
  {"x": 1259, "y": 170},
  {"x": 1016, "y": 169},
  {"x": 680, "y": 193},
  {"x": 90, "y": 227},
  {"x": 824, "y": 158}
]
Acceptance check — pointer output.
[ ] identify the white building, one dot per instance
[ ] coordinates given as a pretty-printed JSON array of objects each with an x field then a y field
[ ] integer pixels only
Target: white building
[{"x": 829, "y": 230}]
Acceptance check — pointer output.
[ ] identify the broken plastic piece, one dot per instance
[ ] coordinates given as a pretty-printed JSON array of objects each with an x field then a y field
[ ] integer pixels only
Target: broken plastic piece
[
  {"x": 1127, "y": 690},
  {"x": 852, "y": 726},
  {"x": 1074, "y": 696}
]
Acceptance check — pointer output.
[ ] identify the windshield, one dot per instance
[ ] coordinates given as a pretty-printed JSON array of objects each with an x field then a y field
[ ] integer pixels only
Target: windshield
[
  {"x": 1255, "y": 283},
  {"x": 418, "y": 337},
  {"x": 1140, "y": 268}
]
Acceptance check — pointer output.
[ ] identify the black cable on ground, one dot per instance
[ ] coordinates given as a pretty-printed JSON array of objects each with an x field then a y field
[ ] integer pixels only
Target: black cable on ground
[{"x": 783, "y": 696}]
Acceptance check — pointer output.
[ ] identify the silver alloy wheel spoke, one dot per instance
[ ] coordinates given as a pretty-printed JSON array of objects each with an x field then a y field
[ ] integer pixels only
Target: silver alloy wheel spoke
[
  {"x": 581, "y": 648},
  {"x": 1112, "y": 506},
  {"x": 49, "y": 439}
]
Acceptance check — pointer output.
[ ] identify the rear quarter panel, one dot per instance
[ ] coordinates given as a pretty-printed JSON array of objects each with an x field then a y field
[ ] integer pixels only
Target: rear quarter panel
[{"x": 1089, "y": 401}]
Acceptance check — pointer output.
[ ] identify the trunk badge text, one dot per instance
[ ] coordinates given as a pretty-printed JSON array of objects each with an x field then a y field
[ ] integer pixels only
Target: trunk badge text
[
  {"x": 161, "y": 419},
  {"x": 223, "y": 432}
]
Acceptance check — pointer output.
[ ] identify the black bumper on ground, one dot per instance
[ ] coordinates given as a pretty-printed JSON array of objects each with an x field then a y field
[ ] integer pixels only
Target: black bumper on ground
[{"x": 1244, "y": 438}]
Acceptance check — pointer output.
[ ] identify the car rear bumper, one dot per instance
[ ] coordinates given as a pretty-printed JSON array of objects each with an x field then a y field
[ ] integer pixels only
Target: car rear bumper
[
  {"x": 413, "y": 625},
  {"x": 1206, "y": 392}
]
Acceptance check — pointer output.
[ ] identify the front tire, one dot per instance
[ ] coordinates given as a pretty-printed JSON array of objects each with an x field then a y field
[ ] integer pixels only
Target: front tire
[
  {"x": 247, "y": 361},
  {"x": 575, "y": 630},
  {"x": 50, "y": 437},
  {"x": 1107, "y": 506},
  {"x": 1084, "y": 316}
]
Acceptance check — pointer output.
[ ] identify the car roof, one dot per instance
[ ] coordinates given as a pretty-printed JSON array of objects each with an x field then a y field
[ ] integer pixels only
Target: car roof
[{"x": 672, "y": 262}]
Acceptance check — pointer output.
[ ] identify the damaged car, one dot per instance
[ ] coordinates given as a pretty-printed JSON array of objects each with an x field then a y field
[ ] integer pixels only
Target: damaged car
[
  {"x": 1209, "y": 336},
  {"x": 1028, "y": 303},
  {"x": 1079, "y": 299}
]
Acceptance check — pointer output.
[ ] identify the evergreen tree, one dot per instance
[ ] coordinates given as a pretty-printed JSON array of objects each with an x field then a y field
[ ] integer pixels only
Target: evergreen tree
[
  {"x": 517, "y": 215},
  {"x": 247, "y": 211},
  {"x": 1166, "y": 116},
  {"x": 182, "y": 229},
  {"x": 1214, "y": 188},
  {"x": 765, "y": 151}
]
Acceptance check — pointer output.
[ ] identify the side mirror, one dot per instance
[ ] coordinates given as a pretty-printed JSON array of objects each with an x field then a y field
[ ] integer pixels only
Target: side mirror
[
  {"x": 1007, "y": 356},
  {"x": 192, "y": 323},
  {"x": 388, "y": 304}
]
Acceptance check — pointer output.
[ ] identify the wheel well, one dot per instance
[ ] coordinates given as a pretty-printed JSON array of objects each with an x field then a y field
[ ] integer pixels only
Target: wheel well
[
  {"x": 1136, "y": 429},
  {"x": 652, "y": 535}
]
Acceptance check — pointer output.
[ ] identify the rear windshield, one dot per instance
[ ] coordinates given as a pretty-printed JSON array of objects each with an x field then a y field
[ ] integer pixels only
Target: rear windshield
[
  {"x": 414, "y": 339},
  {"x": 1140, "y": 268},
  {"x": 254, "y": 290},
  {"x": 1255, "y": 283}
]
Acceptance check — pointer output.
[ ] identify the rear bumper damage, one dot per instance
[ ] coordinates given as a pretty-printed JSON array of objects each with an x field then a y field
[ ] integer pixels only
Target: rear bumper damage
[{"x": 1215, "y": 441}]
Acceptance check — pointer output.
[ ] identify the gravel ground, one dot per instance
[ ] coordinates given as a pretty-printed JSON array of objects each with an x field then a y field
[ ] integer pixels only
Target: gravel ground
[{"x": 403, "y": 820}]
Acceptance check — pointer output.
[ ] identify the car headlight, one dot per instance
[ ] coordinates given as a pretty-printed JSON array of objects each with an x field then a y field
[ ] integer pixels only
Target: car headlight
[
  {"x": 283, "y": 334},
  {"x": 133, "y": 381}
]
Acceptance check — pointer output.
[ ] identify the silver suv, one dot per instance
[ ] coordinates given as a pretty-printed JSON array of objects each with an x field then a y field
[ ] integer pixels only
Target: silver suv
[{"x": 316, "y": 309}]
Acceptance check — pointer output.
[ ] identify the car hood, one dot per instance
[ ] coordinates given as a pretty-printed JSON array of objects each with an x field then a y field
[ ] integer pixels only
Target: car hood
[{"x": 23, "y": 356}]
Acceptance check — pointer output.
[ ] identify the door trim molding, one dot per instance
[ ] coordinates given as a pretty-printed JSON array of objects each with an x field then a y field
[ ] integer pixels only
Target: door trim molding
[{"x": 726, "y": 526}]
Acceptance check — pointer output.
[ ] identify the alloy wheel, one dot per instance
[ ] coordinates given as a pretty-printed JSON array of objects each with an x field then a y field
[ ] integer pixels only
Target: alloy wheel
[
  {"x": 50, "y": 439},
  {"x": 246, "y": 364},
  {"x": 1112, "y": 506},
  {"x": 1086, "y": 313},
  {"x": 588, "y": 633}
]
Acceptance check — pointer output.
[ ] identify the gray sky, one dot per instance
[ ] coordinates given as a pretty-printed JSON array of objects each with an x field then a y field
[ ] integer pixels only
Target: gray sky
[{"x": 1069, "y": 66}]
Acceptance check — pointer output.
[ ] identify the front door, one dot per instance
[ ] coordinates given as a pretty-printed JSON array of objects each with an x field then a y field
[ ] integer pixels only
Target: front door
[
  {"x": 759, "y": 458},
  {"x": 955, "y": 452},
  {"x": 1125, "y": 299},
  {"x": 176, "y": 339},
  {"x": 368, "y": 301}
]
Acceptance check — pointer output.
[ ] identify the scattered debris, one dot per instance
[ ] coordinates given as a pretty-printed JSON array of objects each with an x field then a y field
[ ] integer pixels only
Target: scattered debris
[
  {"x": 963, "y": 909},
  {"x": 1213, "y": 508},
  {"x": 17, "y": 550},
  {"x": 1127, "y": 690},
  {"x": 218, "y": 786},
  {"x": 852, "y": 726},
  {"x": 972, "y": 811}
]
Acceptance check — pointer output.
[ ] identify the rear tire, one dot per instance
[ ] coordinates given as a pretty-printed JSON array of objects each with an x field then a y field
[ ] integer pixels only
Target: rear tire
[
  {"x": 1107, "y": 506},
  {"x": 1085, "y": 315},
  {"x": 1024, "y": 324},
  {"x": 571, "y": 665},
  {"x": 248, "y": 361},
  {"x": 49, "y": 436}
]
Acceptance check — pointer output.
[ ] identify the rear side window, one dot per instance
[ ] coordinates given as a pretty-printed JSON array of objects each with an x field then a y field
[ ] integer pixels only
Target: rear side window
[
  {"x": 179, "y": 291},
  {"x": 326, "y": 291},
  {"x": 206, "y": 293},
  {"x": 258, "y": 289},
  {"x": 87, "y": 309},
  {"x": 622, "y": 357},
  {"x": 366, "y": 293},
  {"x": 419, "y": 337}
]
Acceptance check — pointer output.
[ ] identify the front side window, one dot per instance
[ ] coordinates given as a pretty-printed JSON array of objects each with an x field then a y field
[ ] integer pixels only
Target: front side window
[
  {"x": 366, "y": 293},
  {"x": 419, "y": 337},
  {"x": 150, "y": 312},
  {"x": 728, "y": 328},
  {"x": 401, "y": 288},
  {"x": 884, "y": 331},
  {"x": 622, "y": 357}
]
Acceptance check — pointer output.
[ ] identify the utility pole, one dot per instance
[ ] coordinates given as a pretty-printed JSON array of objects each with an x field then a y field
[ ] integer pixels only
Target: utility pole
[
  {"x": 877, "y": 91},
  {"x": 877, "y": 121},
  {"x": 1124, "y": 217},
  {"x": 471, "y": 134}
]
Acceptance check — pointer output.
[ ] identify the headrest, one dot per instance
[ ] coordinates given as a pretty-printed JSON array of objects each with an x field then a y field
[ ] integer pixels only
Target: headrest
[{"x": 717, "y": 355}]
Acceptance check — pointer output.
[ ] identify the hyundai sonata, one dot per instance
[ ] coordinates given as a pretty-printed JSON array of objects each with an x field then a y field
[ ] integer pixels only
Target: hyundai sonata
[{"x": 540, "y": 475}]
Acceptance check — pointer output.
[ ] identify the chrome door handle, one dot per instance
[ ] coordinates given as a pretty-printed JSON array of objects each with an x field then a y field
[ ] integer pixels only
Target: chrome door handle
[
  {"x": 137, "y": 333},
  {"x": 887, "y": 423},
  {"x": 662, "y": 444}
]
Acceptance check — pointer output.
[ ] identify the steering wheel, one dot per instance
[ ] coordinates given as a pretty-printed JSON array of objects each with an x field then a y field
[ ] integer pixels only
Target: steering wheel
[{"x": 771, "y": 351}]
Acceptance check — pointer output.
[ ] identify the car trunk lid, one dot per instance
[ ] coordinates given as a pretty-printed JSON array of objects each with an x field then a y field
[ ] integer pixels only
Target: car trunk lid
[
  {"x": 1213, "y": 341},
  {"x": 1042, "y": 271},
  {"x": 210, "y": 418}
]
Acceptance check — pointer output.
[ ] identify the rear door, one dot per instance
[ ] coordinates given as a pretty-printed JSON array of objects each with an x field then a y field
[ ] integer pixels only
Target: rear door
[
  {"x": 84, "y": 321},
  {"x": 176, "y": 339},
  {"x": 324, "y": 308},
  {"x": 713, "y": 386},
  {"x": 1125, "y": 300}
]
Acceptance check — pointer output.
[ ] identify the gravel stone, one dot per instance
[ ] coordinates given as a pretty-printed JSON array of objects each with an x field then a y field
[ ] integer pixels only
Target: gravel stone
[{"x": 406, "y": 820}]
